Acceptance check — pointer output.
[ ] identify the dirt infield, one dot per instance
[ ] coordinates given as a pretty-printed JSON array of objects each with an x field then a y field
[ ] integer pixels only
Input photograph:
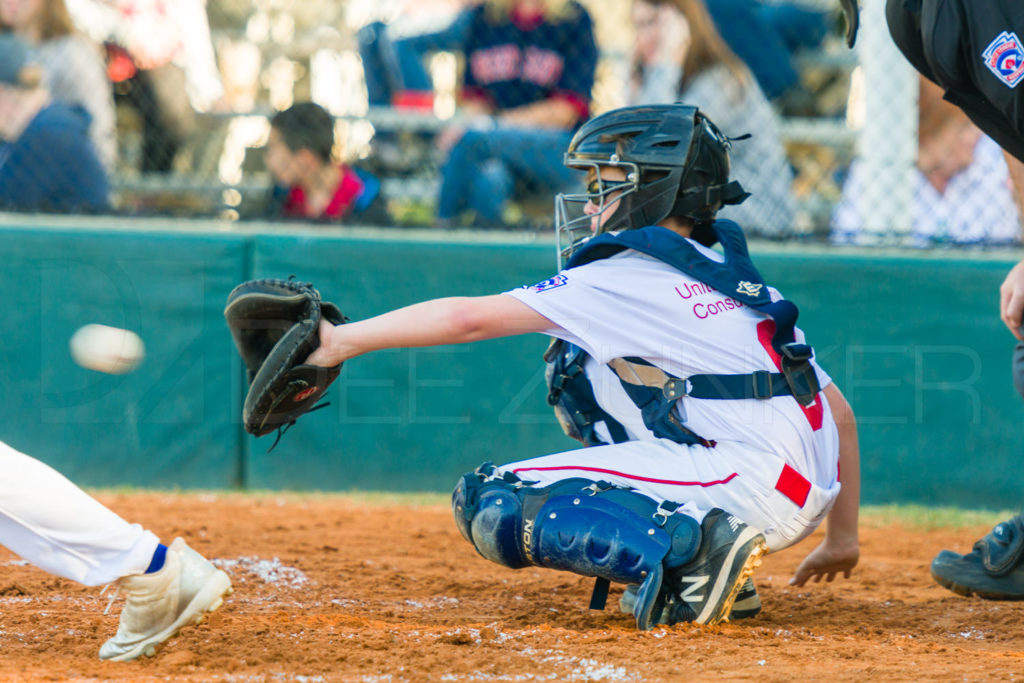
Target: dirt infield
[{"x": 331, "y": 589}]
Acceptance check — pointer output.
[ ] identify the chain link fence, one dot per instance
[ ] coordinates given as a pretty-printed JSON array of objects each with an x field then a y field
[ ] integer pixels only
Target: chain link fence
[{"x": 454, "y": 113}]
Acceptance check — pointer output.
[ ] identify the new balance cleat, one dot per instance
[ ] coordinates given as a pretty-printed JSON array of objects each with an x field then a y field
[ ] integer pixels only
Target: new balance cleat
[
  {"x": 747, "y": 604},
  {"x": 160, "y": 604},
  {"x": 705, "y": 589}
]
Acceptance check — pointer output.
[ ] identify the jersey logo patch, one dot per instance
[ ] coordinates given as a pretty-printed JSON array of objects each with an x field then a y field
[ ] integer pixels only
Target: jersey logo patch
[
  {"x": 1004, "y": 57},
  {"x": 549, "y": 284},
  {"x": 749, "y": 288}
]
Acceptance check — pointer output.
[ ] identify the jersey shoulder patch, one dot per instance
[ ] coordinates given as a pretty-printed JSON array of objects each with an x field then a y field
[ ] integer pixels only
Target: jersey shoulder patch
[
  {"x": 1004, "y": 57},
  {"x": 559, "y": 280}
]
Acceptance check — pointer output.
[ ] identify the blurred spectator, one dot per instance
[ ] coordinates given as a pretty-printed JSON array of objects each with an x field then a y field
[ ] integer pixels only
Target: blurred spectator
[
  {"x": 962, "y": 189},
  {"x": 394, "y": 54},
  {"x": 47, "y": 162},
  {"x": 680, "y": 57},
  {"x": 161, "y": 57},
  {"x": 529, "y": 72},
  {"x": 308, "y": 183},
  {"x": 765, "y": 35},
  {"x": 73, "y": 67}
]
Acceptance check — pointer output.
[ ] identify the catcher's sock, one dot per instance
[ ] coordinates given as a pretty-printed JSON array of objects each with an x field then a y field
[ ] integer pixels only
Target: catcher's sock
[
  {"x": 157, "y": 563},
  {"x": 160, "y": 604}
]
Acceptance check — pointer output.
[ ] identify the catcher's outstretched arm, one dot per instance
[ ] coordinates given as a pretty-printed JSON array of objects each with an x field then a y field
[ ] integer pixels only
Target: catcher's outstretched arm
[{"x": 454, "y": 320}]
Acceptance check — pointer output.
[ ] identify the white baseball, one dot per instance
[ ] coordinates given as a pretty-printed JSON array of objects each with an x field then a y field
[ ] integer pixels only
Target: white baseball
[{"x": 107, "y": 349}]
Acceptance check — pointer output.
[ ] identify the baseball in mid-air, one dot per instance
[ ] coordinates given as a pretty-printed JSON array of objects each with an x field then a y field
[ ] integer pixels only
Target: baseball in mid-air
[{"x": 107, "y": 349}]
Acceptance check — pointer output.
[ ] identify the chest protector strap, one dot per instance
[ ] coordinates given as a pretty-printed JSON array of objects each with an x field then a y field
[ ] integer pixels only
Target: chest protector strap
[
  {"x": 655, "y": 391},
  {"x": 572, "y": 396}
]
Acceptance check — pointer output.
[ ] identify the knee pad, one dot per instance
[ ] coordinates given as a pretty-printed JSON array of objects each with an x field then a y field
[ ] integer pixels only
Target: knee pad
[
  {"x": 496, "y": 513},
  {"x": 577, "y": 525}
]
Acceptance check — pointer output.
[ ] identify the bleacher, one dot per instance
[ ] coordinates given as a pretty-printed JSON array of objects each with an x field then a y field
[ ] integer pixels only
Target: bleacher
[{"x": 818, "y": 147}]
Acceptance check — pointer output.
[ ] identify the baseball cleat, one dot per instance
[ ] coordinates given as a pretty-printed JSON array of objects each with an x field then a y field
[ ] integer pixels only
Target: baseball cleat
[
  {"x": 992, "y": 570},
  {"x": 747, "y": 604},
  {"x": 160, "y": 604},
  {"x": 705, "y": 589}
]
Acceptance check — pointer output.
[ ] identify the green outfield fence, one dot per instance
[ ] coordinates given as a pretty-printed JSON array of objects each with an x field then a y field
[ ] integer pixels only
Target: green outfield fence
[{"x": 913, "y": 339}]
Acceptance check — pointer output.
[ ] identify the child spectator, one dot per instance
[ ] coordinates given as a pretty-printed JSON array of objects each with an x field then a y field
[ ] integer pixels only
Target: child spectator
[
  {"x": 73, "y": 67},
  {"x": 308, "y": 183},
  {"x": 680, "y": 57},
  {"x": 47, "y": 162}
]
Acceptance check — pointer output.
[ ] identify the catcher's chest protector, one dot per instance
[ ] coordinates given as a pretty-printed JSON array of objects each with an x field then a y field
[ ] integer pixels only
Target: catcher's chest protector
[{"x": 655, "y": 392}]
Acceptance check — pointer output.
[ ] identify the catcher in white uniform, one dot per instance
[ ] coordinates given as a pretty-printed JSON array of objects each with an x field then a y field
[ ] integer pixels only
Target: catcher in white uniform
[
  {"x": 713, "y": 437},
  {"x": 72, "y": 535}
]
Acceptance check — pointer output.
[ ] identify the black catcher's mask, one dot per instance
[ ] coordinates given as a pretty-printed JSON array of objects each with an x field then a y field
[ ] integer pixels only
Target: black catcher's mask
[{"x": 676, "y": 164}]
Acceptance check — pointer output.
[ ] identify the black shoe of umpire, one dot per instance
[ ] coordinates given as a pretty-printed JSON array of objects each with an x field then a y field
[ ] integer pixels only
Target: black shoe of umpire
[{"x": 992, "y": 570}]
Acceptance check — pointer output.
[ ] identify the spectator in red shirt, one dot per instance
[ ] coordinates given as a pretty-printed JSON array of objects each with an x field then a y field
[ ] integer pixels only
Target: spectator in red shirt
[{"x": 309, "y": 184}]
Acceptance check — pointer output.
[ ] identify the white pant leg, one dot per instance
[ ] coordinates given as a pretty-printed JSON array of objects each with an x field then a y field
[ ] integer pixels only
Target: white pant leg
[
  {"x": 56, "y": 526},
  {"x": 730, "y": 476}
]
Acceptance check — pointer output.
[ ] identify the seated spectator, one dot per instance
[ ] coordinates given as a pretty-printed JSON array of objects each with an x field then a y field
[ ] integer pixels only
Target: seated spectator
[
  {"x": 73, "y": 66},
  {"x": 679, "y": 56},
  {"x": 529, "y": 71},
  {"x": 308, "y": 183},
  {"x": 766, "y": 35},
  {"x": 393, "y": 54},
  {"x": 47, "y": 162},
  {"x": 962, "y": 190},
  {"x": 162, "y": 59}
]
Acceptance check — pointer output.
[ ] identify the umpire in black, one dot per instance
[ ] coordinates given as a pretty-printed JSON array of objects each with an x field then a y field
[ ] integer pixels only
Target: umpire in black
[{"x": 973, "y": 50}]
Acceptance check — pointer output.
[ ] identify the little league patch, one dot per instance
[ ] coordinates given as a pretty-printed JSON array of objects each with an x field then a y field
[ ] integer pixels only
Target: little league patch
[
  {"x": 1004, "y": 57},
  {"x": 550, "y": 283}
]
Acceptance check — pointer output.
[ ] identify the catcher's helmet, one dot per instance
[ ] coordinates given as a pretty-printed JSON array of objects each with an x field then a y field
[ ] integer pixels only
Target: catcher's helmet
[{"x": 676, "y": 163}]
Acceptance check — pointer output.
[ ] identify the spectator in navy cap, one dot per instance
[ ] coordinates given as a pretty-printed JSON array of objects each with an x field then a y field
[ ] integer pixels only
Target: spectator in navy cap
[{"x": 47, "y": 161}]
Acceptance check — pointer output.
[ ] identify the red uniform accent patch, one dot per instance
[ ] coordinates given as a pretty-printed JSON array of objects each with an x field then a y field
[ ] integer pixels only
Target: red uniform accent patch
[{"x": 793, "y": 485}]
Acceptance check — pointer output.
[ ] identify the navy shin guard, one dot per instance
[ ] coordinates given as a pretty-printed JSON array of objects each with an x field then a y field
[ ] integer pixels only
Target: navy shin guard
[{"x": 577, "y": 525}]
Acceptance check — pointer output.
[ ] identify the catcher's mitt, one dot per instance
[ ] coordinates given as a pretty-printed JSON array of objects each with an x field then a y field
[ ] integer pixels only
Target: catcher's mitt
[{"x": 275, "y": 327}]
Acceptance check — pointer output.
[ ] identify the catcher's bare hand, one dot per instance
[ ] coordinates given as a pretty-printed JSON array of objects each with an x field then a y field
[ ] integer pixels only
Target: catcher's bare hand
[
  {"x": 325, "y": 355},
  {"x": 827, "y": 560},
  {"x": 1011, "y": 300}
]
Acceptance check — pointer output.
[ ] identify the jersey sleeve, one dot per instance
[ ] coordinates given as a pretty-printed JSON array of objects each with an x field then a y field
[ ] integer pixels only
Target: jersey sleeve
[{"x": 582, "y": 311}]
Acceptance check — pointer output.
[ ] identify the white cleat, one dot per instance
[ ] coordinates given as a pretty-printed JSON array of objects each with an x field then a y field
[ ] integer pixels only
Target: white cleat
[{"x": 159, "y": 605}]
